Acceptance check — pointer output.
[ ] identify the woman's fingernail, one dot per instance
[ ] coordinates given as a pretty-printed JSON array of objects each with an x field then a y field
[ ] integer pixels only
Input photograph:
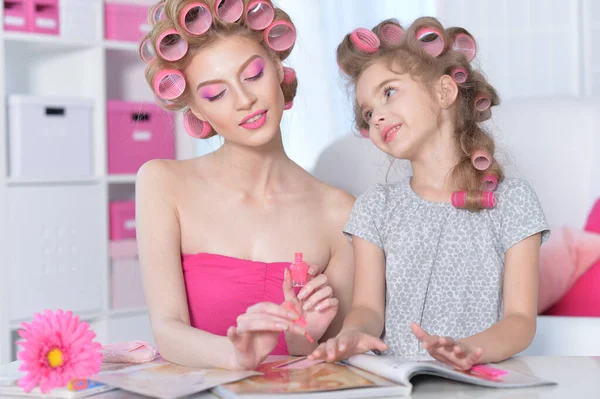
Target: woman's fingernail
[
  {"x": 292, "y": 316},
  {"x": 282, "y": 326},
  {"x": 302, "y": 294},
  {"x": 319, "y": 307},
  {"x": 307, "y": 305}
]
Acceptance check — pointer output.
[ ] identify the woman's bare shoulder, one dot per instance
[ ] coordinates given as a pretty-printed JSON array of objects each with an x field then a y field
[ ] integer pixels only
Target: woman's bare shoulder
[
  {"x": 337, "y": 203},
  {"x": 167, "y": 175}
]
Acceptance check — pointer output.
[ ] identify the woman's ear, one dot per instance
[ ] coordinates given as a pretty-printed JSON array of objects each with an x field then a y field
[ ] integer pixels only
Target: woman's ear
[{"x": 447, "y": 91}]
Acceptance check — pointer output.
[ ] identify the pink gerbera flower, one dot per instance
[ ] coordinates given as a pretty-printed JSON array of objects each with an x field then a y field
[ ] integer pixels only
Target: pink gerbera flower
[{"x": 57, "y": 348}]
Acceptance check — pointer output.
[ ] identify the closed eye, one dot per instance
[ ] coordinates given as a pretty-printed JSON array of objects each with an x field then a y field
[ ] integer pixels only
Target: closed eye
[
  {"x": 214, "y": 98},
  {"x": 257, "y": 76}
]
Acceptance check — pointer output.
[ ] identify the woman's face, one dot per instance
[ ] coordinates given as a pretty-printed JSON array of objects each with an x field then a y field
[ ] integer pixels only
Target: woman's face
[{"x": 235, "y": 86}]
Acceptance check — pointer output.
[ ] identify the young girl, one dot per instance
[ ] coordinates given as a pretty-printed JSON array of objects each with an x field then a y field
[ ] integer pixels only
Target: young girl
[
  {"x": 446, "y": 261},
  {"x": 217, "y": 233}
]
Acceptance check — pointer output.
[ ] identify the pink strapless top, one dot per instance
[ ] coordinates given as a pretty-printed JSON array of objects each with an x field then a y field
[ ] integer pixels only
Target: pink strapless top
[{"x": 220, "y": 288}]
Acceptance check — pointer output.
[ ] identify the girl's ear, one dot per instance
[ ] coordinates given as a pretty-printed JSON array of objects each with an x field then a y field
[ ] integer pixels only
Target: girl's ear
[{"x": 447, "y": 91}]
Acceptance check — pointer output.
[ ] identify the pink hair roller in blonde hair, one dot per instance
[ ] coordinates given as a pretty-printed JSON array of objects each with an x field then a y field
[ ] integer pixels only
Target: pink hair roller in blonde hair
[
  {"x": 288, "y": 105},
  {"x": 280, "y": 35},
  {"x": 459, "y": 74},
  {"x": 194, "y": 126},
  {"x": 147, "y": 53},
  {"x": 481, "y": 160},
  {"x": 482, "y": 103},
  {"x": 196, "y": 18},
  {"x": 466, "y": 45},
  {"x": 171, "y": 46},
  {"x": 487, "y": 200},
  {"x": 158, "y": 12},
  {"x": 391, "y": 34},
  {"x": 489, "y": 183},
  {"x": 431, "y": 41},
  {"x": 229, "y": 10},
  {"x": 169, "y": 84},
  {"x": 259, "y": 15},
  {"x": 365, "y": 40},
  {"x": 289, "y": 75},
  {"x": 365, "y": 133}
]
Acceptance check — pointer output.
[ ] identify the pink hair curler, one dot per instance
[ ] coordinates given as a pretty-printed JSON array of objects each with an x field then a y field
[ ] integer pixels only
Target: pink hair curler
[
  {"x": 365, "y": 133},
  {"x": 162, "y": 101},
  {"x": 459, "y": 74},
  {"x": 365, "y": 40},
  {"x": 459, "y": 199},
  {"x": 391, "y": 34},
  {"x": 194, "y": 126},
  {"x": 465, "y": 44},
  {"x": 289, "y": 75},
  {"x": 487, "y": 200},
  {"x": 280, "y": 35},
  {"x": 229, "y": 10},
  {"x": 288, "y": 105},
  {"x": 481, "y": 160},
  {"x": 196, "y": 18},
  {"x": 259, "y": 15},
  {"x": 147, "y": 53},
  {"x": 431, "y": 41},
  {"x": 171, "y": 46},
  {"x": 489, "y": 183},
  {"x": 169, "y": 84},
  {"x": 482, "y": 103},
  {"x": 158, "y": 12}
]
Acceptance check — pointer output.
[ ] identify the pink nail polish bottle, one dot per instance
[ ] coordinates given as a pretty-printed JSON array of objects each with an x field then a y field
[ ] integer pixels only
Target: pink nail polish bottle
[{"x": 299, "y": 271}]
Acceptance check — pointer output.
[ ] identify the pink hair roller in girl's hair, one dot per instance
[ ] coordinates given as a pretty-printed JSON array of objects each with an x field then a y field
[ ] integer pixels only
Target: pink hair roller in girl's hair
[
  {"x": 459, "y": 199},
  {"x": 466, "y": 45},
  {"x": 158, "y": 12},
  {"x": 259, "y": 15},
  {"x": 229, "y": 10},
  {"x": 171, "y": 46},
  {"x": 481, "y": 160},
  {"x": 194, "y": 126},
  {"x": 169, "y": 84},
  {"x": 288, "y": 105},
  {"x": 289, "y": 75},
  {"x": 196, "y": 18},
  {"x": 365, "y": 40},
  {"x": 147, "y": 51},
  {"x": 459, "y": 75},
  {"x": 487, "y": 200},
  {"x": 364, "y": 133},
  {"x": 482, "y": 103},
  {"x": 280, "y": 35},
  {"x": 489, "y": 183},
  {"x": 431, "y": 41},
  {"x": 391, "y": 34}
]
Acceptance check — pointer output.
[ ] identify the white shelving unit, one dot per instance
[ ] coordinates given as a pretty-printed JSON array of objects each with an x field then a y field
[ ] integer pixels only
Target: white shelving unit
[{"x": 100, "y": 70}]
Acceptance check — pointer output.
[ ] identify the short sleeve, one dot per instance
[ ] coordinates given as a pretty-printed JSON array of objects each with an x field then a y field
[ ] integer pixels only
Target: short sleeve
[
  {"x": 367, "y": 216},
  {"x": 520, "y": 213}
]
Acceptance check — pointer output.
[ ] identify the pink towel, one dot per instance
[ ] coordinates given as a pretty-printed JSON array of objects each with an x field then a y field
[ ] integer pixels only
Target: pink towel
[{"x": 129, "y": 352}]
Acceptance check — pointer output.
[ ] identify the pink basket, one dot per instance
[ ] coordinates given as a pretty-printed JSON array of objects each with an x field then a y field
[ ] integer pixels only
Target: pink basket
[
  {"x": 127, "y": 290},
  {"x": 125, "y": 22},
  {"x": 137, "y": 133},
  {"x": 17, "y": 15},
  {"x": 122, "y": 220},
  {"x": 44, "y": 16}
]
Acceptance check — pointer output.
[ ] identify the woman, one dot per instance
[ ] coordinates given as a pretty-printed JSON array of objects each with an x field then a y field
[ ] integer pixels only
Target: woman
[{"x": 217, "y": 233}]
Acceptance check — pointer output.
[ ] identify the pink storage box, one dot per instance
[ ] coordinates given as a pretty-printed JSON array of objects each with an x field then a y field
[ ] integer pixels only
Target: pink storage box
[
  {"x": 17, "y": 15},
  {"x": 137, "y": 133},
  {"x": 122, "y": 220},
  {"x": 127, "y": 289},
  {"x": 44, "y": 16},
  {"x": 125, "y": 22}
]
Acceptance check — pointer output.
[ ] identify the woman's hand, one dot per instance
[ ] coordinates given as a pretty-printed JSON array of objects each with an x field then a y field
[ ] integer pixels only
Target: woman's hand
[
  {"x": 447, "y": 350},
  {"x": 257, "y": 332},
  {"x": 346, "y": 344}
]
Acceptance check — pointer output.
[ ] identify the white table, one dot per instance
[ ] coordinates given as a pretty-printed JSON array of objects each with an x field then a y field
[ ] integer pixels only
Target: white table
[{"x": 577, "y": 377}]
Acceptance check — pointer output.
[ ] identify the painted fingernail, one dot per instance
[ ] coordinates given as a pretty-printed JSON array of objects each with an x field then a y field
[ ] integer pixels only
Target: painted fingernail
[
  {"x": 307, "y": 305},
  {"x": 292, "y": 316},
  {"x": 319, "y": 307},
  {"x": 302, "y": 294},
  {"x": 282, "y": 326}
]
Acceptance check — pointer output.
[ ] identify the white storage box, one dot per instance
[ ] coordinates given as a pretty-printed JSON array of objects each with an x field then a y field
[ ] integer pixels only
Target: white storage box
[
  {"x": 49, "y": 137},
  {"x": 54, "y": 257},
  {"x": 79, "y": 19}
]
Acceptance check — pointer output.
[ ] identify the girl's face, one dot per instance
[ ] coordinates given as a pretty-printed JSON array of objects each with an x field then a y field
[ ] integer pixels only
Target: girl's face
[
  {"x": 235, "y": 86},
  {"x": 401, "y": 113}
]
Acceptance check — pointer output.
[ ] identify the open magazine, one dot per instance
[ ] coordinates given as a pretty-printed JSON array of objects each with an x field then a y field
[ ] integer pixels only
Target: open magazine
[
  {"x": 164, "y": 380},
  {"x": 401, "y": 370}
]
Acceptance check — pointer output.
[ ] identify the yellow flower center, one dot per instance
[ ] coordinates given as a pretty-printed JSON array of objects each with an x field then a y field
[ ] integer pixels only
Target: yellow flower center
[{"x": 55, "y": 358}]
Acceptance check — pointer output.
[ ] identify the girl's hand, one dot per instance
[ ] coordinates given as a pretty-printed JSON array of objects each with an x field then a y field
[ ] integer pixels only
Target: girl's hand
[
  {"x": 445, "y": 349},
  {"x": 315, "y": 302},
  {"x": 257, "y": 332},
  {"x": 346, "y": 344}
]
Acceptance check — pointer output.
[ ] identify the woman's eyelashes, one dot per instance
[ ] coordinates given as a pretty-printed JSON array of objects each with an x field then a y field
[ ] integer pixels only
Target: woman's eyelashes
[
  {"x": 255, "y": 70},
  {"x": 212, "y": 92}
]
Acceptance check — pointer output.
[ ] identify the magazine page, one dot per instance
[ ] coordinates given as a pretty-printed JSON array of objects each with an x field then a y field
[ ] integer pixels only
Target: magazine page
[
  {"x": 400, "y": 369},
  {"x": 164, "y": 380},
  {"x": 319, "y": 380}
]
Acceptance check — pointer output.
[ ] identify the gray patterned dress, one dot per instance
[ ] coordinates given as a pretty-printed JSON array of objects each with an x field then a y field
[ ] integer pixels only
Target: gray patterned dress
[{"x": 444, "y": 266}]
